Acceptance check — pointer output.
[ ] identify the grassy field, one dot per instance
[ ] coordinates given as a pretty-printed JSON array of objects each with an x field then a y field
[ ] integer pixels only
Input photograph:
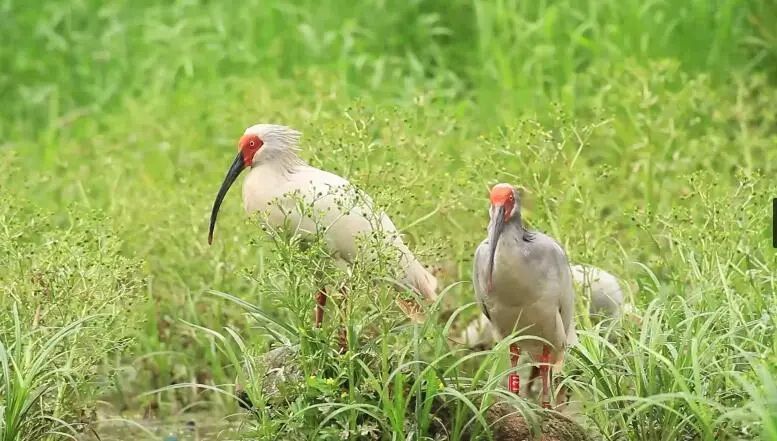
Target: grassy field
[{"x": 644, "y": 132}]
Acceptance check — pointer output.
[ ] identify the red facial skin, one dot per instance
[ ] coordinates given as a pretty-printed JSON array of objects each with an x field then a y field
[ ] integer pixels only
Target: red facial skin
[
  {"x": 248, "y": 146},
  {"x": 503, "y": 195}
]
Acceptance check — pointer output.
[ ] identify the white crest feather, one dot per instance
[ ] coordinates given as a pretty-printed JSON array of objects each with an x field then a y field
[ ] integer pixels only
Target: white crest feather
[
  {"x": 281, "y": 143},
  {"x": 276, "y": 135}
]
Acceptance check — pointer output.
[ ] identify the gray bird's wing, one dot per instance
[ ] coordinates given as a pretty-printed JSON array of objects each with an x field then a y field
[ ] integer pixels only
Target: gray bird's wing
[
  {"x": 550, "y": 261},
  {"x": 479, "y": 264}
]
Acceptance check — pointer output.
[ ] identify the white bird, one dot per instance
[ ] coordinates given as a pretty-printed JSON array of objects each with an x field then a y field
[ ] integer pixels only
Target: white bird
[
  {"x": 605, "y": 296},
  {"x": 523, "y": 283},
  {"x": 279, "y": 179}
]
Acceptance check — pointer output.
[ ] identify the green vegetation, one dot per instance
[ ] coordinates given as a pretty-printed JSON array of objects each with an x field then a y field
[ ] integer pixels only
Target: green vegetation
[
  {"x": 645, "y": 133},
  {"x": 66, "y": 305}
]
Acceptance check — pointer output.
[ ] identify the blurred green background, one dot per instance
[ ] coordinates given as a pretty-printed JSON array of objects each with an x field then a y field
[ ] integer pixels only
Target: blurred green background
[{"x": 644, "y": 131}]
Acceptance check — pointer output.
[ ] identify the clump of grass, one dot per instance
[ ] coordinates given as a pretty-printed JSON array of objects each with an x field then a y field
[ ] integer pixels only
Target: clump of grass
[
  {"x": 33, "y": 375},
  {"x": 68, "y": 301},
  {"x": 396, "y": 379},
  {"x": 696, "y": 360}
]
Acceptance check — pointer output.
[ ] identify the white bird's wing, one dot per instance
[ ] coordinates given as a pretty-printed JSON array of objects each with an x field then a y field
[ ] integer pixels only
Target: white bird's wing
[
  {"x": 479, "y": 265},
  {"x": 566, "y": 295},
  {"x": 602, "y": 289},
  {"x": 336, "y": 208}
]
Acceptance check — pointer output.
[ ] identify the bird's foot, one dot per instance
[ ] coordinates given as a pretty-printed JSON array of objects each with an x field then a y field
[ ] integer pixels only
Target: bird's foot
[
  {"x": 546, "y": 405},
  {"x": 342, "y": 340}
]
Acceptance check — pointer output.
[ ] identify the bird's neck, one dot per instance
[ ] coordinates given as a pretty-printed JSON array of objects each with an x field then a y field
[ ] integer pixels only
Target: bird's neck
[
  {"x": 515, "y": 222},
  {"x": 516, "y": 225}
]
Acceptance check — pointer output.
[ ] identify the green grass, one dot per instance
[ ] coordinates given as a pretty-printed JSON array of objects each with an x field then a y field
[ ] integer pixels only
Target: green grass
[
  {"x": 31, "y": 373},
  {"x": 644, "y": 132}
]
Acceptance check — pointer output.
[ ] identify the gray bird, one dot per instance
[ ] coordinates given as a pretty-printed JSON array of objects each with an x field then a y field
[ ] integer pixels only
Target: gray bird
[
  {"x": 602, "y": 289},
  {"x": 523, "y": 283}
]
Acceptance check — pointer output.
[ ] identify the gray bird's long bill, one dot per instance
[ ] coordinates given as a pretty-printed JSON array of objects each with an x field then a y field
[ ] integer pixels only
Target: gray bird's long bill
[
  {"x": 495, "y": 227},
  {"x": 234, "y": 171}
]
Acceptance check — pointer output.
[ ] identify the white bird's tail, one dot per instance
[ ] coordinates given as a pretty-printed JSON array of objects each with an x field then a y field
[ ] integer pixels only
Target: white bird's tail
[
  {"x": 414, "y": 275},
  {"x": 421, "y": 281}
]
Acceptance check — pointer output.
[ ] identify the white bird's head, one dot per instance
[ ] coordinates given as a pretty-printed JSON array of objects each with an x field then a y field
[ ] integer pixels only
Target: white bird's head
[
  {"x": 505, "y": 208},
  {"x": 262, "y": 142},
  {"x": 259, "y": 143}
]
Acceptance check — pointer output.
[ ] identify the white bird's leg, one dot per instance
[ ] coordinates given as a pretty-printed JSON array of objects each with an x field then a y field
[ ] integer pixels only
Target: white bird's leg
[
  {"x": 342, "y": 335},
  {"x": 318, "y": 316},
  {"x": 318, "y": 312},
  {"x": 545, "y": 374},
  {"x": 562, "y": 397},
  {"x": 535, "y": 373},
  {"x": 514, "y": 379}
]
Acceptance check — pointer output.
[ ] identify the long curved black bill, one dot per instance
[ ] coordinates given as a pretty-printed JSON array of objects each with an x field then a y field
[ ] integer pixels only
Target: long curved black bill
[
  {"x": 495, "y": 227},
  {"x": 234, "y": 171}
]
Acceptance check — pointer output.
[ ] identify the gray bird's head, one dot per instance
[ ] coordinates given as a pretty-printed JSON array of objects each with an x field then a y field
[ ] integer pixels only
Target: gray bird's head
[
  {"x": 505, "y": 208},
  {"x": 259, "y": 143}
]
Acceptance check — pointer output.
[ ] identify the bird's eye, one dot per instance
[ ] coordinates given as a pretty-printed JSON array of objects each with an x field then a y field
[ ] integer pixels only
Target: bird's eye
[{"x": 252, "y": 143}]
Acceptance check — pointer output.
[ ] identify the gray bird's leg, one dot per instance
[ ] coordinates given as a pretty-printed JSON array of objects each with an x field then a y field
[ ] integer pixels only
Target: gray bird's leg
[
  {"x": 535, "y": 373},
  {"x": 514, "y": 379},
  {"x": 545, "y": 374}
]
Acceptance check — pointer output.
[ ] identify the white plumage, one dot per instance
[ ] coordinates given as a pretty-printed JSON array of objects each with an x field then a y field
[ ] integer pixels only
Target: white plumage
[
  {"x": 278, "y": 181},
  {"x": 602, "y": 289},
  {"x": 343, "y": 211}
]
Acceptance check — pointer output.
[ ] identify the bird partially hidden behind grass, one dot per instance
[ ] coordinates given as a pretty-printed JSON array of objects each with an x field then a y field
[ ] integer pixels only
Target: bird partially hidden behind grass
[
  {"x": 606, "y": 301},
  {"x": 279, "y": 179},
  {"x": 523, "y": 283}
]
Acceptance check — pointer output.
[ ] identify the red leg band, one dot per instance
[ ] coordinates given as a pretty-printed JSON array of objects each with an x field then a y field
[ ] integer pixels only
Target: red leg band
[{"x": 515, "y": 383}]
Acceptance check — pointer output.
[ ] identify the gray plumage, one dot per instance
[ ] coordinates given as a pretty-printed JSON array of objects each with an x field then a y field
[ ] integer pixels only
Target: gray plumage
[
  {"x": 602, "y": 289},
  {"x": 531, "y": 281}
]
